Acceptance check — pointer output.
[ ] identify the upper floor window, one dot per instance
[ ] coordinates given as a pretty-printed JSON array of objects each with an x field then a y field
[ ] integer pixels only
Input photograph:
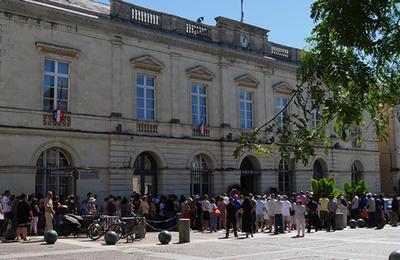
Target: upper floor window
[
  {"x": 315, "y": 114},
  {"x": 145, "y": 97},
  {"x": 246, "y": 110},
  {"x": 55, "y": 85},
  {"x": 281, "y": 103},
  {"x": 199, "y": 104}
]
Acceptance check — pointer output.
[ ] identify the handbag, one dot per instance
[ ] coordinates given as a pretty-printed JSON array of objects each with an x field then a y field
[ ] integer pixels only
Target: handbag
[{"x": 217, "y": 213}]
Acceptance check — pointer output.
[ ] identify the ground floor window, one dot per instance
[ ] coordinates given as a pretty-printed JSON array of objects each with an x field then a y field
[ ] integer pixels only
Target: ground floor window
[
  {"x": 49, "y": 162},
  {"x": 200, "y": 177},
  {"x": 285, "y": 177}
]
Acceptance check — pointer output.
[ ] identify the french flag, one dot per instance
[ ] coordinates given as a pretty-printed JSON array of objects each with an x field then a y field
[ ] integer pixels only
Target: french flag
[
  {"x": 58, "y": 115},
  {"x": 202, "y": 127}
]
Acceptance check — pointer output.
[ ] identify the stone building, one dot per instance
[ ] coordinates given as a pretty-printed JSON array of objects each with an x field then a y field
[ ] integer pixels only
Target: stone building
[{"x": 147, "y": 101}]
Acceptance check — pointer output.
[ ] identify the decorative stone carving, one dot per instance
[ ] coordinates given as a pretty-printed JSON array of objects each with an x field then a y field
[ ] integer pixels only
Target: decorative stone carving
[
  {"x": 147, "y": 62},
  {"x": 56, "y": 49},
  {"x": 200, "y": 72},
  {"x": 247, "y": 81},
  {"x": 283, "y": 87}
]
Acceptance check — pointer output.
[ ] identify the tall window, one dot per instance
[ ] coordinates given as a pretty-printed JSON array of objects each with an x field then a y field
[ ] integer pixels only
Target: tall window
[
  {"x": 200, "y": 180},
  {"x": 50, "y": 161},
  {"x": 55, "y": 85},
  {"x": 281, "y": 103},
  {"x": 315, "y": 114},
  {"x": 199, "y": 104},
  {"x": 285, "y": 177},
  {"x": 246, "y": 110},
  {"x": 145, "y": 97}
]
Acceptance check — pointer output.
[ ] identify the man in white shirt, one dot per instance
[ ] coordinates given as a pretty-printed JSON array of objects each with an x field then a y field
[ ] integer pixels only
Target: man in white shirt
[{"x": 260, "y": 207}]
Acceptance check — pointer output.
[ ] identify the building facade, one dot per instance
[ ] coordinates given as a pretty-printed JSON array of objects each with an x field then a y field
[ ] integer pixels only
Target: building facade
[{"x": 149, "y": 101}]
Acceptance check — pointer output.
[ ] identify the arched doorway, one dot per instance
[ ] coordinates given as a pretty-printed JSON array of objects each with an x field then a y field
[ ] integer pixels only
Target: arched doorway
[
  {"x": 249, "y": 177},
  {"x": 320, "y": 169},
  {"x": 356, "y": 172},
  {"x": 200, "y": 177},
  {"x": 49, "y": 162},
  {"x": 285, "y": 178},
  {"x": 144, "y": 179}
]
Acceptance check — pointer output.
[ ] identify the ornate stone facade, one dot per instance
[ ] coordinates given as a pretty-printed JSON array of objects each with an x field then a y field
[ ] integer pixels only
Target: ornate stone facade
[{"x": 111, "y": 50}]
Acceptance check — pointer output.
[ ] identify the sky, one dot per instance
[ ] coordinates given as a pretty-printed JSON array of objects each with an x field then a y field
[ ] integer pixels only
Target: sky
[{"x": 289, "y": 21}]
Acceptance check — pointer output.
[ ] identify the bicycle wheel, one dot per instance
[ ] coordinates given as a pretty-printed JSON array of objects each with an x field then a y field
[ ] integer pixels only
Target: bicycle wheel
[{"x": 95, "y": 231}]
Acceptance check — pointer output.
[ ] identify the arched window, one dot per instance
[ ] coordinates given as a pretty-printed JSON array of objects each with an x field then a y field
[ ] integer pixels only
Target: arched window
[
  {"x": 145, "y": 175},
  {"x": 356, "y": 172},
  {"x": 319, "y": 169},
  {"x": 200, "y": 179},
  {"x": 285, "y": 177},
  {"x": 47, "y": 164}
]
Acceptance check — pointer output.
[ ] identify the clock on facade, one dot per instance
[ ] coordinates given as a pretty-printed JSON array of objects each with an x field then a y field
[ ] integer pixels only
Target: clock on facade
[{"x": 244, "y": 41}]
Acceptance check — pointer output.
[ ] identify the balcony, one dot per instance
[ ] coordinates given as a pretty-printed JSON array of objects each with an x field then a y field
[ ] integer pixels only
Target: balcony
[
  {"x": 198, "y": 132},
  {"x": 147, "y": 127},
  {"x": 48, "y": 120}
]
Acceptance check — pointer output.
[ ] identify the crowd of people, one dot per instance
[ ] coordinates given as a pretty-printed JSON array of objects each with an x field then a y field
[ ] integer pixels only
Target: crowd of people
[{"x": 29, "y": 215}]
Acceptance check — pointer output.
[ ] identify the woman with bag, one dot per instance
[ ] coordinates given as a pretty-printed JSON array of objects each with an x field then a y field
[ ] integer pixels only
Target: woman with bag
[
  {"x": 246, "y": 224},
  {"x": 213, "y": 216}
]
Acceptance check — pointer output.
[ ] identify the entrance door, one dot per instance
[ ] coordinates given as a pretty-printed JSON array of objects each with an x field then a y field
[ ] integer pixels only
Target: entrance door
[
  {"x": 249, "y": 177},
  {"x": 144, "y": 179}
]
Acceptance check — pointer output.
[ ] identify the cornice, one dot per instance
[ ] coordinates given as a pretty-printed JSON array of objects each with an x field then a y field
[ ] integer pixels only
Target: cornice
[{"x": 126, "y": 29}]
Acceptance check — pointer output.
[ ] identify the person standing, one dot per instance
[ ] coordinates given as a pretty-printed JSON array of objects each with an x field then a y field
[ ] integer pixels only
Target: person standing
[
  {"x": 286, "y": 207},
  {"x": 355, "y": 204},
  {"x": 300, "y": 218},
  {"x": 35, "y": 217},
  {"x": 231, "y": 218},
  {"x": 1, "y": 215},
  {"x": 395, "y": 210},
  {"x": 222, "y": 208},
  {"x": 260, "y": 209},
  {"x": 205, "y": 213},
  {"x": 278, "y": 226},
  {"x": 332, "y": 208},
  {"x": 323, "y": 211},
  {"x": 312, "y": 210},
  {"x": 48, "y": 211},
  {"x": 6, "y": 202},
  {"x": 371, "y": 207},
  {"x": 247, "y": 209},
  {"x": 213, "y": 216},
  {"x": 24, "y": 215}
]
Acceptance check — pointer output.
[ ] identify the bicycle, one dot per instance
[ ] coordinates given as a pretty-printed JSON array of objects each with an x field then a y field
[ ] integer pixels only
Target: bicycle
[
  {"x": 132, "y": 228},
  {"x": 103, "y": 224}
]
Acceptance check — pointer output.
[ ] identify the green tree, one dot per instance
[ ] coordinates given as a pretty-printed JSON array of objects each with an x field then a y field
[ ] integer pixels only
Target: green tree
[{"x": 350, "y": 69}]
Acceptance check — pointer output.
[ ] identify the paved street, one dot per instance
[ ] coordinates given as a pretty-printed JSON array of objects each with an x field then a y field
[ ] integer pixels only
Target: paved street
[{"x": 348, "y": 244}]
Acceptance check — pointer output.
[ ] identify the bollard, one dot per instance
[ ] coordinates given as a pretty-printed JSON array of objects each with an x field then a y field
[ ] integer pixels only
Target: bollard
[
  {"x": 111, "y": 238},
  {"x": 395, "y": 255},
  {"x": 178, "y": 217},
  {"x": 339, "y": 225},
  {"x": 184, "y": 230},
  {"x": 164, "y": 237},
  {"x": 50, "y": 237}
]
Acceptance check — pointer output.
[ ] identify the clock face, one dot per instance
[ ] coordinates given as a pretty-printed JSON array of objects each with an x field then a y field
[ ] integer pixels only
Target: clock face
[{"x": 244, "y": 41}]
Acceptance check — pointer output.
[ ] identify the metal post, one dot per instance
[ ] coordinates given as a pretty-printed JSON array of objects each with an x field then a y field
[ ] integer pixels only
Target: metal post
[{"x": 184, "y": 230}]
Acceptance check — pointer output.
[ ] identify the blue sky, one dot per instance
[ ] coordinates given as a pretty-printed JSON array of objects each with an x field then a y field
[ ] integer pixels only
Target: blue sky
[{"x": 289, "y": 21}]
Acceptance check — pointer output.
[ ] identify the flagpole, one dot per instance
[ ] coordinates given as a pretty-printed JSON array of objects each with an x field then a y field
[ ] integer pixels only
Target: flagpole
[{"x": 242, "y": 13}]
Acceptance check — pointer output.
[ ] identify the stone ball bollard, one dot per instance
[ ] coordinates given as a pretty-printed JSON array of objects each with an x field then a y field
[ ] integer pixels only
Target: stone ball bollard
[
  {"x": 395, "y": 255},
  {"x": 10, "y": 234},
  {"x": 352, "y": 223},
  {"x": 50, "y": 237},
  {"x": 164, "y": 237},
  {"x": 111, "y": 238},
  {"x": 361, "y": 223}
]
